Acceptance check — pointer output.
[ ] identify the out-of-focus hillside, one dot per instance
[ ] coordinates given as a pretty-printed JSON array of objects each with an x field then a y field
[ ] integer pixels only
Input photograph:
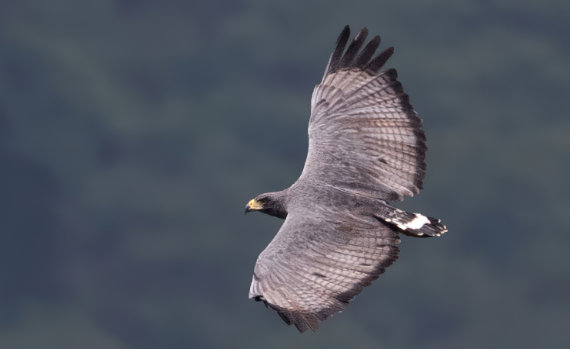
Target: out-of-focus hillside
[{"x": 132, "y": 133}]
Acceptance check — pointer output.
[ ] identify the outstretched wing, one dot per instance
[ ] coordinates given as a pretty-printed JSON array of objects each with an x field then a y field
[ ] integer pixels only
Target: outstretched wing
[
  {"x": 364, "y": 135},
  {"x": 316, "y": 263}
]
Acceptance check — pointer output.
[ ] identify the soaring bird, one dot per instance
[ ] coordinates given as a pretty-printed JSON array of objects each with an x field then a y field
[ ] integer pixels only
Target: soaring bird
[{"x": 366, "y": 148}]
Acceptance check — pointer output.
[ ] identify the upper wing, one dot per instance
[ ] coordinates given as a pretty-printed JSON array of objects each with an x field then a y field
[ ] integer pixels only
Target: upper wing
[
  {"x": 364, "y": 135},
  {"x": 318, "y": 261}
]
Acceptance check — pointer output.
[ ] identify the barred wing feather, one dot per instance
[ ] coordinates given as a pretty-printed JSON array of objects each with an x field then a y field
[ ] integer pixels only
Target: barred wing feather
[
  {"x": 316, "y": 264},
  {"x": 364, "y": 135}
]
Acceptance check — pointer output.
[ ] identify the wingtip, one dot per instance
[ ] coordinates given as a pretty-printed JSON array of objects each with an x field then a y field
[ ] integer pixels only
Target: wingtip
[
  {"x": 335, "y": 57},
  {"x": 379, "y": 61},
  {"x": 344, "y": 34},
  {"x": 376, "y": 39},
  {"x": 362, "y": 33},
  {"x": 354, "y": 57}
]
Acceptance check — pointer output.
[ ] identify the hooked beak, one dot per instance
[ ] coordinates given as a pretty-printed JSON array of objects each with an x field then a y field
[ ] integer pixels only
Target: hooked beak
[{"x": 253, "y": 205}]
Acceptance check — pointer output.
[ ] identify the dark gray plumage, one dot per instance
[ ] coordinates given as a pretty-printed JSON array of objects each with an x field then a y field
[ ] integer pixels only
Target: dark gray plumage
[{"x": 366, "y": 147}]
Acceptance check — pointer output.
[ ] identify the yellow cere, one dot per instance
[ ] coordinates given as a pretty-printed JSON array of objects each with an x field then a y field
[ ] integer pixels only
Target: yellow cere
[{"x": 254, "y": 205}]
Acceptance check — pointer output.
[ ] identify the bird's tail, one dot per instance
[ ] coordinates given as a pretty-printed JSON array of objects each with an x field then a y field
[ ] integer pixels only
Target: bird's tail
[{"x": 413, "y": 224}]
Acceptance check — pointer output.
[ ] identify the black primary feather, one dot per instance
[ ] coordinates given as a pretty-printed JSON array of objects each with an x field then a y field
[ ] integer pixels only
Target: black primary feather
[
  {"x": 368, "y": 52},
  {"x": 380, "y": 60},
  {"x": 341, "y": 41},
  {"x": 353, "y": 49}
]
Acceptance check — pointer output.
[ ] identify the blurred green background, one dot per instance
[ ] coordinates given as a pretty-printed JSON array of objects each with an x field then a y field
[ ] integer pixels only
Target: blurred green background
[{"x": 132, "y": 133}]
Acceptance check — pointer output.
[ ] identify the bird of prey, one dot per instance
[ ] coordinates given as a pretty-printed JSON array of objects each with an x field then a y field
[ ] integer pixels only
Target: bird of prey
[{"x": 366, "y": 148}]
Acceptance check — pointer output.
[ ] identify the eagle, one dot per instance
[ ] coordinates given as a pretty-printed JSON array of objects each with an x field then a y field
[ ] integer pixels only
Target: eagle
[{"x": 366, "y": 149}]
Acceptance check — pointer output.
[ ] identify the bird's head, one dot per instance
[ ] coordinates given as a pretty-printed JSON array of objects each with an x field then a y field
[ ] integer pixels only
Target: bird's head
[{"x": 269, "y": 203}]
